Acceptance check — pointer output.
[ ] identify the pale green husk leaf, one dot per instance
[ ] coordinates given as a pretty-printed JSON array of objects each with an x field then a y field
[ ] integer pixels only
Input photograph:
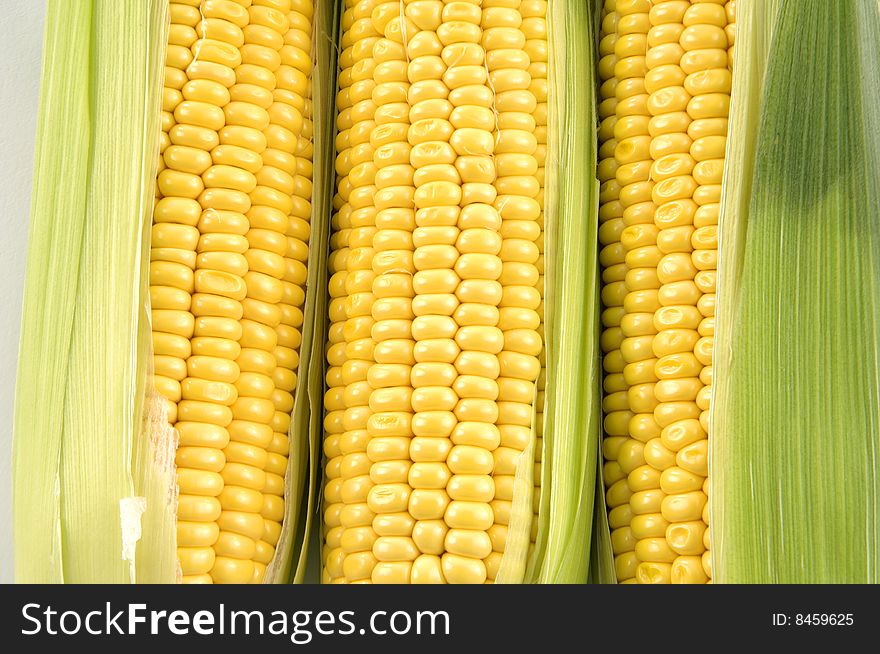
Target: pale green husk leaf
[
  {"x": 92, "y": 465},
  {"x": 572, "y": 413}
]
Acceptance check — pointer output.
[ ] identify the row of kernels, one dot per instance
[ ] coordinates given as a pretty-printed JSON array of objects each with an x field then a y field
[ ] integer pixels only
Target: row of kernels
[
  {"x": 705, "y": 242},
  {"x": 358, "y": 189},
  {"x": 175, "y": 243},
  {"x": 185, "y": 17},
  {"x": 471, "y": 489},
  {"x": 480, "y": 382},
  {"x": 452, "y": 159},
  {"x": 248, "y": 472},
  {"x": 708, "y": 83},
  {"x": 730, "y": 29},
  {"x": 334, "y": 399},
  {"x": 391, "y": 528},
  {"x": 638, "y": 242},
  {"x": 172, "y": 243},
  {"x": 520, "y": 203},
  {"x": 241, "y": 174},
  {"x": 227, "y": 266},
  {"x": 434, "y": 232},
  {"x": 664, "y": 34},
  {"x": 612, "y": 259},
  {"x": 285, "y": 179},
  {"x": 431, "y": 233},
  {"x": 677, "y": 194},
  {"x": 648, "y": 526},
  {"x": 217, "y": 305},
  {"x": 338, "y": 336}
]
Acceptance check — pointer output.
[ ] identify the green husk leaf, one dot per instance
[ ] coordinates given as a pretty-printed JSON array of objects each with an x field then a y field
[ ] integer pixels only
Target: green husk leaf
[
  {"x": 155, "y": 442},
  {"x": 323, "y": 101},
  {"x": 601, "y": 552},
  {"x": 755, "y": 23},
  {"x": 290, "y": 561},
  {"x": 90, "y": 473},
  {"x": 572, "y": 405},
  {"x": 795, "y": 444},
  {"x": 60, "y": 171},
  {"x": 516, "y": 550}
]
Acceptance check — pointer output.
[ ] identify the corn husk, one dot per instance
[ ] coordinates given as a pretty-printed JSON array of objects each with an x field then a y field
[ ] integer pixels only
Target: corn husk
[
  {"x": 795, "y": 441},
  {"x": 303, "y": 464},
  {"x": 92, "y": 464},
  {"x": 572, "y": 413}
]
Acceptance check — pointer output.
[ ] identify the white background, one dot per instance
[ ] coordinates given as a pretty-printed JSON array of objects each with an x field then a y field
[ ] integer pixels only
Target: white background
[{"x": 20, "y": 50}]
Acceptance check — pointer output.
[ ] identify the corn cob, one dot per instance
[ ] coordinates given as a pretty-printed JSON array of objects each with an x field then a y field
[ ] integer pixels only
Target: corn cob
[
  {"x": 434, "y": 345},
  {"x": 671, "y": 89},
  {"x": 227, "y": 272}
]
